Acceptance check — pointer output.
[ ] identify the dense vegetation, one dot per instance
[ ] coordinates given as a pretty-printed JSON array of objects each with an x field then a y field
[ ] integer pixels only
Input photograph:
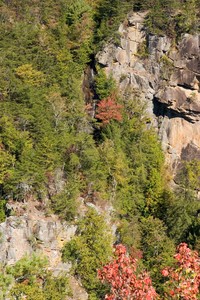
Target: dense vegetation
[
  {"x": 53, "y": 146},
  {"x": 30, "y": 278}
]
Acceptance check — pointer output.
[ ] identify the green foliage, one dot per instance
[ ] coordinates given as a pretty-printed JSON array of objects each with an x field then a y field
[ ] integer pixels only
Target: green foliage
[
  {"x": 182, "y": 207},
  {"x": 5, "y": 282},
  {"x": 141, "y": 159},
  {"x": 32, "y": 292},
  {"x": 65, "y": 203},
  {"x": 142, "y": 51},
  {"x": 181, "y": 217},
  {"x": 50, "y": 148},
  {"x": 104, "y": 86},
  {"x": 79, "y": 15},
  {"x": 88, "y": 250},
  {"x": 28, "y": 268},
  {"x": 188, "y": 177},
  {"x": 42, "y": 108},
  {"x": 108, "y": 16},
  {"x": 2, "y": 210},
  {"x": 157, "y": 248},
  {"x": 76, "y": 10},
  {"x": 171, "y": 17},
  {"x": 187, "y": 20},
  {"x": 167, "y": 67},
  {"x": 30, "y": 278},
  {"x": 54, "y": 288},
  {"x": 130, "y": 233}
]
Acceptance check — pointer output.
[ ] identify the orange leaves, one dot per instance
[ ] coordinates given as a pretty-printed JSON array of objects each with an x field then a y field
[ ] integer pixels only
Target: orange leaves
[
  {"x": 184, "y": 280},
  {"x": 109, "y": 110},
  {"x": 128, "y": 283},
  {"x": 165, "y": 272},
  {"x": 124, "y": 279}
]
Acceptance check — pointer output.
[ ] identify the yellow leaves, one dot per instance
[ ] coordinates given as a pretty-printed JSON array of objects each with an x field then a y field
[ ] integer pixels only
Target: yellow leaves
[
  {"x": 63, "y": 56},
  {"x": 29, "y": 75}
]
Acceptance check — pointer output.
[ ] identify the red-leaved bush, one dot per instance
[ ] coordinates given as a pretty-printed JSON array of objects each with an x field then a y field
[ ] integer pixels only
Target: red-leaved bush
[
  {"x": 108, "y": 109},
  {"x": 184, "y": 279},
  {"x": 124, "y": 278},
  {"x": 128, "y": 283}
]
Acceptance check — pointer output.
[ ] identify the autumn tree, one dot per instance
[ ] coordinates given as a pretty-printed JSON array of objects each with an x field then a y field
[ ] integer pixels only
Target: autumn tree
[
  {"x": 108, "y": 109},
  {"x": 125, "y": 279},
  {"x": 183, "y": 279},
  {"x": 127, "y": 282}
]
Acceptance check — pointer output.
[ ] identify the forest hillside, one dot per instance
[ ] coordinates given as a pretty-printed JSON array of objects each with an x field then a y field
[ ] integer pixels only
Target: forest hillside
[{"x": 99, "y": 146}]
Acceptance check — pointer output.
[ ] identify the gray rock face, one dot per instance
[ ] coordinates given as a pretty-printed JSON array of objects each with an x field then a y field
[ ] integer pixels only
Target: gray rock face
[
  {"x": 21, "y": 235},
  {"x": 183, "y": 101},
  {"x": 166, "y": 77},
  {"x": 158, "y": 45},
  {"x": 182, "y": 92}
]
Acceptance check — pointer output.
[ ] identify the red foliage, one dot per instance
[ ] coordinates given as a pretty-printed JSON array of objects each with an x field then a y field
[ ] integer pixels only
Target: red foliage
[
  {"x": 108, "y": 110},
  {"x": 124, "y": 279},
  {"x": 127, "y": 283},
  {"x": 184, "y": 280}
]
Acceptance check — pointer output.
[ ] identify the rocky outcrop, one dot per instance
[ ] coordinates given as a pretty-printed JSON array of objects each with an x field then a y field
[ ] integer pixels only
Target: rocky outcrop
[
  {"x": 166, "y": 76},
  {"x": 33, "y": 231},
  {"x": 182, "y": 91},
  {"x": 30, "y": 229}
]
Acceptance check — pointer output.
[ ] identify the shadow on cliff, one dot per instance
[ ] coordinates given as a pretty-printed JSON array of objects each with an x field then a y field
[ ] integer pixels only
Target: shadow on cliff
[{"x": 163, "y": 110}]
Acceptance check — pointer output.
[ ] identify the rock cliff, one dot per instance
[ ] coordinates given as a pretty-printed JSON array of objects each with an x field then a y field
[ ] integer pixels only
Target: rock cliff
[
  {"x": 167, "y": 77},
  {"x": 31, "y": 230}
]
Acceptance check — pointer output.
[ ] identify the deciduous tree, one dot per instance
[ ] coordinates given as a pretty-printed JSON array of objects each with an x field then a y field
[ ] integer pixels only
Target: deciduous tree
[
  {"x": 109, "y": 110},
  {"x": 125, "y": 279},
  {"x": 183, "y": 279}
]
